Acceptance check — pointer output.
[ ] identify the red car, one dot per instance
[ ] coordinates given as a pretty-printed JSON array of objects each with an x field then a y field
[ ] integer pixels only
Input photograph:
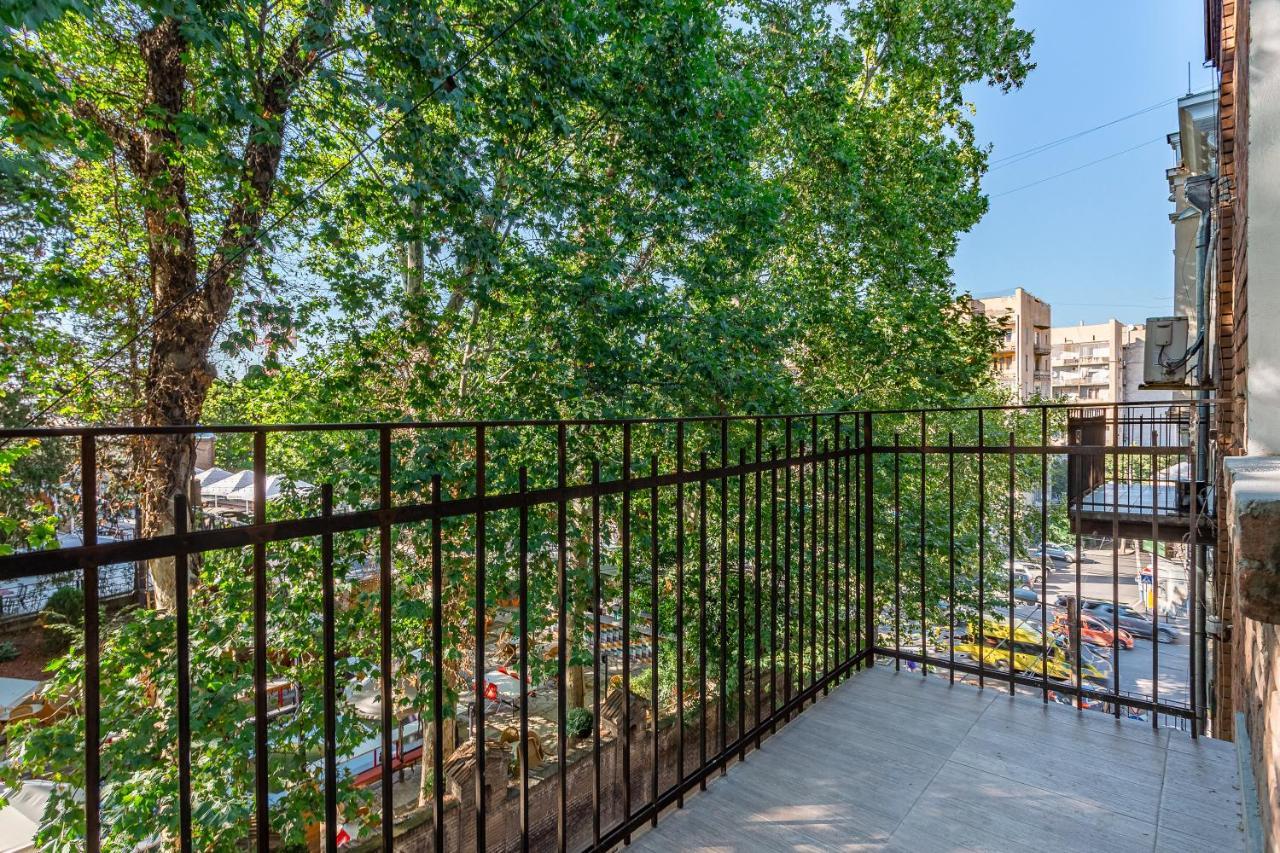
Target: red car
[{"x": 1093, "y": 631}]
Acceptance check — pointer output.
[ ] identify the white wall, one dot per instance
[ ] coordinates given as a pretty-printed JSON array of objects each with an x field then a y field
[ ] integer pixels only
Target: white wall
[{"x": 1262, "y": 423}]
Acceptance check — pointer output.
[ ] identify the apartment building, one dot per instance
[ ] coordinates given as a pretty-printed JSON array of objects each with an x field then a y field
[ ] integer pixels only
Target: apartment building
[
  {"x": 1100, "y": 362},
  {"x": 1022, "y": 358},
  {"x": 1087, "y": 361}
]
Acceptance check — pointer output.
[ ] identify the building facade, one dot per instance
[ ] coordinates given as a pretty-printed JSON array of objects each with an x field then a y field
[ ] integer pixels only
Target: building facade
[
  {"x": 1100, "y": 362},
  {"x": 1087, "y": 362},
  {"x": 1022, "y": 359}
]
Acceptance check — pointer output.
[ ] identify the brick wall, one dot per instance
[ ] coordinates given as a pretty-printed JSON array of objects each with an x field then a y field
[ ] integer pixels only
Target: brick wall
[
  {"x": 1258, "y": 646},
  {"x": 1231, "y": 212}
]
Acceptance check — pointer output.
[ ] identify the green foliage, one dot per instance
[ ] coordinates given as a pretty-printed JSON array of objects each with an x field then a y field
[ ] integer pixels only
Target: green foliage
[
  {"x": 578, "y": 722},
  {"x": 627, "y": 207},
  {"x": 63, "y": 617},
  {"x": 66, "y": 606},
  {"x": 8, "y": 651},
  {"x": 139, "y": 708}
]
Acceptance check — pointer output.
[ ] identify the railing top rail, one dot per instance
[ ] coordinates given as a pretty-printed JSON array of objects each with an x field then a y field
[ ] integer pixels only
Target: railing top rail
[{"x": 223, "y": 429}]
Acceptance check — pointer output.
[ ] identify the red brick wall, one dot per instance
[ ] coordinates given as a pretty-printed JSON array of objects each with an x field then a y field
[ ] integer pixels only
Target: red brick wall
[{"x": 1231, "y": 315}]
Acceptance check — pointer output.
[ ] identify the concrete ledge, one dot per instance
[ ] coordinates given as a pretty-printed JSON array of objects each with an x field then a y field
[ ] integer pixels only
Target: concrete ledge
[{"x": 1253, "y": 511}]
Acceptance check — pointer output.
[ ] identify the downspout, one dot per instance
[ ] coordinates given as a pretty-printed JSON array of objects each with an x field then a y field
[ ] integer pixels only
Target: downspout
[{"x": 1200, "y": 196}]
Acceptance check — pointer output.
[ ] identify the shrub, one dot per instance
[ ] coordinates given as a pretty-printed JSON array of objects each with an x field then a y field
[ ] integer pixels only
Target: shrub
[
  {"x": 67, "y": 604},
  {"x": 578, "y": 722},
  {"x": 63, "y": 617},
  {"x": 8, "y": 651}
]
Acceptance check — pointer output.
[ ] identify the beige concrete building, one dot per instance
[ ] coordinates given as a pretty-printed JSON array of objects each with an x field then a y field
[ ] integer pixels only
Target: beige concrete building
[
  {"x": 1022, "y": 359},
  {"x": 1100, "y": 362}
]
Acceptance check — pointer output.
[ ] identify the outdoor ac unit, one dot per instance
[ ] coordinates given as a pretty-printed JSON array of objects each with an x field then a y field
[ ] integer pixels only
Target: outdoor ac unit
[{"x": 1164, "y": 363}]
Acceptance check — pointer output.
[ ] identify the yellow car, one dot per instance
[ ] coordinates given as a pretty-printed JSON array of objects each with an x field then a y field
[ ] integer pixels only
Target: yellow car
[{"x": 1026, "y": 657}]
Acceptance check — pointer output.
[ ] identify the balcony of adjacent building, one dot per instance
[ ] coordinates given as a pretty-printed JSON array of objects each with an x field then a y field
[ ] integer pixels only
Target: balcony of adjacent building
[{"x": 828, "y": 631}]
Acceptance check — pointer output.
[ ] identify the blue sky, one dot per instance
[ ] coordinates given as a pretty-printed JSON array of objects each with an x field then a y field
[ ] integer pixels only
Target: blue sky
[{"x": 1096, "y": 243}]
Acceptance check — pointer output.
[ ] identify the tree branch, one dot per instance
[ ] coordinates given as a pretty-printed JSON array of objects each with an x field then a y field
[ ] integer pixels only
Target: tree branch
[
  {"x": 126, "y": 139},
  {"x": 263, "y": 149}
]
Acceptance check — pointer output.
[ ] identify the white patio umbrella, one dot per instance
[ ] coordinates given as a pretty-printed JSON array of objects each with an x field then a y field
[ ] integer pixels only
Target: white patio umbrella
[
  {"x": 227, "y": 485},
  {"x": 206, "y": 477},
  {"x": 272, "y": 489},
  {"x": 20, "y": 819}
]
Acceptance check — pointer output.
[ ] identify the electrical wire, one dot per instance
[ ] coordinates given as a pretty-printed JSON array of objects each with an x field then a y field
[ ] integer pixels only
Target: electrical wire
[
  {"x": 1074, "y": 169},
  {"x": 302, "y": 201},
  {"x": 1019, "y": 156}
]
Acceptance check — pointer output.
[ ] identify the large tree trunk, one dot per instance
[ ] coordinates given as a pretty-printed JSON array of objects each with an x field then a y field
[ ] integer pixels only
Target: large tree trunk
[
  {"x": 184, "y": 319},
  {"x": 186, "y": 308}
]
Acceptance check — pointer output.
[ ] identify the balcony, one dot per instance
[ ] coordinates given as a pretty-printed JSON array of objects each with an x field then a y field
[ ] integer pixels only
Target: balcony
[
  {"x": 897, "y": 761},
  {"x": 709, "y": 587}
]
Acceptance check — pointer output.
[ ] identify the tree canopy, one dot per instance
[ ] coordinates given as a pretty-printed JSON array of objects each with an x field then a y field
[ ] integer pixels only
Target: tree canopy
[{"x": 315, "y": 210}]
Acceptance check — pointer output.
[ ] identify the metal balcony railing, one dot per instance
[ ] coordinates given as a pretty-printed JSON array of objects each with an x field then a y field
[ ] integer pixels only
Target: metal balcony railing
[{"x": 733, "y": 568}]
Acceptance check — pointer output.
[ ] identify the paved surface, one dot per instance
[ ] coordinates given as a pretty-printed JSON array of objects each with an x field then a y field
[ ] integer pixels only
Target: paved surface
[{"x": 897, "y": 762}]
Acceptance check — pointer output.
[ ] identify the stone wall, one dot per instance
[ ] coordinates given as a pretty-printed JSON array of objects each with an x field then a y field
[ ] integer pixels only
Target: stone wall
[
  {"x": 415, "y": 833},
  {"x": 1253, "y": 515}
]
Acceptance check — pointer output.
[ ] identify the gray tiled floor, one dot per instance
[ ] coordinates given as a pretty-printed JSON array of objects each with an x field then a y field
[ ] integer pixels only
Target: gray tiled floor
[{"x": 896, "y": 762}]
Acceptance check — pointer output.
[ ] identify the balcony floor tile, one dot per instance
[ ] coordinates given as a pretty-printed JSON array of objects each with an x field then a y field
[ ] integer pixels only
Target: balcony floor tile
[{"x": 897, "y": 762}]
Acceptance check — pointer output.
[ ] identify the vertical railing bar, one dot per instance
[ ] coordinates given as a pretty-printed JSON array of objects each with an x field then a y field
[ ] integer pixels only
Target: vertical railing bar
[
  {"x": 654, "y": 632},
  {"x": 261, "y": 791},
  {"x": 742, "y": 614},
  {"x": 773, "y": 588},
  {"x": 626, "y": 623},
  {"x": 951, "y": 555},
  {"x": 1155, "y": 588},
  {"x": 680, "y": 599},
  {"x": 800, "y": 603},
  {"x": 850, "y": 555},
  {"x": 835, "y": 538},
  {"x": 924, "y": 618},
  {"x": 182, "y": 601},
  {"x": 982, "y": 549},
  {"x": 92, "y": 646},
  {"x": 702, "y": 618},
  {"x": 1115, "y": 557},
  {"x": 826, "y": 566},
  {"x": 1074, "y": 615},
  {"x": 868, "y": 537},
  {"x": 1013, "y": 624},
  {"x": 723, "y": 570},
  {"x": 523, "y": 653},
  {"x": 437, "y": 671},
  {"x": 1044, "y": 554},
  {"x": 1193, "y": 583},
  {"x": 562, "y": 652},
  {"x": 897, "y": 553},
  {"x": 786, "y": 570},
  {"x": 758, "y": 566},
  {"x": 329, "y": 655},
  {"x": 597, "y": 802},
  {"x": 384, "y": 635},
  {"x": 813, "y": 554}
]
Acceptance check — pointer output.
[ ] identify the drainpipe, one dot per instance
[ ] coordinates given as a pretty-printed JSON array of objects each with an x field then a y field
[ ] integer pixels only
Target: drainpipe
[{"x": 1199, "y": 193}]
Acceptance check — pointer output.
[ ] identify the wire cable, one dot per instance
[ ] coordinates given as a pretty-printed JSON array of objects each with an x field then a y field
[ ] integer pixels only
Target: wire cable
[
  {"x": 1019, "y": 156},
  {"x": 1074, "y": 169}
]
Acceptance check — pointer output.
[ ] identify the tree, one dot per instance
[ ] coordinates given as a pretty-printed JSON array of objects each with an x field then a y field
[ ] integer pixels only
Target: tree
[{"x": 607, "y": 208}]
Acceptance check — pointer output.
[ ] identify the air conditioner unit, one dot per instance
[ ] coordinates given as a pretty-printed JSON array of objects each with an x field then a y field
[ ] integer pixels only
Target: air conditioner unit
[{"x": 1164, "y": 363}]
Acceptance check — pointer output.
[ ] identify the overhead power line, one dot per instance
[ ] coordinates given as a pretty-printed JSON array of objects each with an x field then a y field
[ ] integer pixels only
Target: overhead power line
[
  {"x": 1074, "y": 169},
  {"x": 447, "y": 81},
  {"x": 1019, "y": 156}
]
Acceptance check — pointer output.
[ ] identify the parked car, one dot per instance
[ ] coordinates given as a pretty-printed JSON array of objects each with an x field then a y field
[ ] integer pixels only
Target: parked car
[
  {"x": 1129, "y": 619},
  {"x": 1028, "y": 656},
  {"x": 1026, "y": 589},
  {"x": 1054, "y": 552},
  {"x": 1093, "y": 631}
]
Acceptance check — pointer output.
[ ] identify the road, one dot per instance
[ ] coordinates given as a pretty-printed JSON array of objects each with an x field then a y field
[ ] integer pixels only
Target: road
[{"x": 1135, "y": 666}]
